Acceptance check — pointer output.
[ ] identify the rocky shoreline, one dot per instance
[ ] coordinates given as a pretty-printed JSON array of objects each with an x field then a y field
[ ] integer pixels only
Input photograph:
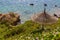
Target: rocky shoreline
[{"x": 11, "y": 17}]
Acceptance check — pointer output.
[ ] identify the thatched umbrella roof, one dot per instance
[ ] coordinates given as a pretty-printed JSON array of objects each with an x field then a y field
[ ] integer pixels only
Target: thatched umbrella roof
[{"x": 44, "y": 18}]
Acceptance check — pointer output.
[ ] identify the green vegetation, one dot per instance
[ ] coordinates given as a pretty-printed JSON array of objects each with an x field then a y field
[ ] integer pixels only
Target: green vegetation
[{"x": 30, "y": 31}]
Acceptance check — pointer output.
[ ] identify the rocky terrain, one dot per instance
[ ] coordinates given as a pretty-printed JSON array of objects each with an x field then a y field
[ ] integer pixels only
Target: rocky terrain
[{"x": 10, "y": 18}]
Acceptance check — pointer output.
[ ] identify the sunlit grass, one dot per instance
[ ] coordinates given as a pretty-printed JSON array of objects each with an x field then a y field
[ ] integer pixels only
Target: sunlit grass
[{"x": 30, "y": 31}]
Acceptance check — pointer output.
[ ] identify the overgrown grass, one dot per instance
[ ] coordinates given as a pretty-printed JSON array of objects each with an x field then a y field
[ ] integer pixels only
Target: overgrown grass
[{"x": 30, "y": 31}]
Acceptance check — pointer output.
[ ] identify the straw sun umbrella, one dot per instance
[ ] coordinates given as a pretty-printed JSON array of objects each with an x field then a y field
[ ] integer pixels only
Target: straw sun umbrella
[{"x": 44, "y": 18}]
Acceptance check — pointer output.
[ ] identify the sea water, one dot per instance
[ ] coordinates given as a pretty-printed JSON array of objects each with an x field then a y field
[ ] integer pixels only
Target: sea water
[{"x": 24, "y": 9}]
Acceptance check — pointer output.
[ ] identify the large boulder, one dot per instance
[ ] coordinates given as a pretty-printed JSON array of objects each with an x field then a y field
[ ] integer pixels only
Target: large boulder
[{"x": 10, "y": 18}]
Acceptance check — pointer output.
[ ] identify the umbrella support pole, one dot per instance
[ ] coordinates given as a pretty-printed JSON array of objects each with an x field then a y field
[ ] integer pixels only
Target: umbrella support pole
[{"x": 42, "y": 27}]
